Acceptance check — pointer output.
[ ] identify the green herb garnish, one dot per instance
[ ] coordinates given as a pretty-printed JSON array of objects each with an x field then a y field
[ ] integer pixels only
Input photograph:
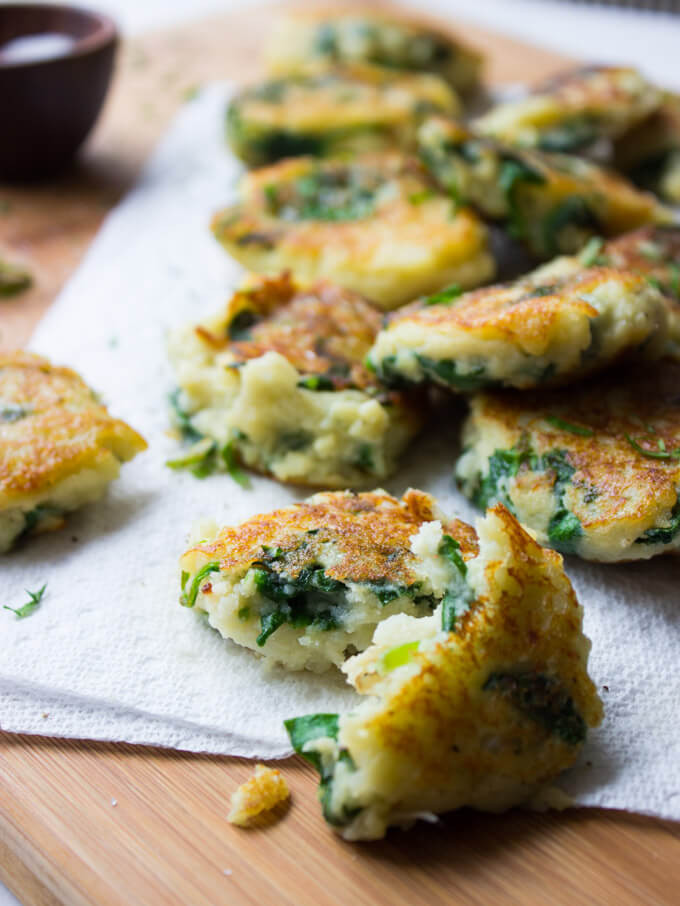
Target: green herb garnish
[
  {"x": 568, "y": 426},
  {"x": 660, "y": 453},
  {"x": 35, "y": 597},
  {"x": 458, "y": 595}
]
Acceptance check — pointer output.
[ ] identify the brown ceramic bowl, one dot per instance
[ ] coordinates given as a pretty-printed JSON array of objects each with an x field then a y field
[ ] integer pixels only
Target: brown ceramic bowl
[{"x": 48, "y": 106}]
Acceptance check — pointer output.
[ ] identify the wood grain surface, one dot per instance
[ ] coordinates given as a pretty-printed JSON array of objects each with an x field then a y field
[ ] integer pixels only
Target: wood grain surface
[{"x": 166, "y": 839}]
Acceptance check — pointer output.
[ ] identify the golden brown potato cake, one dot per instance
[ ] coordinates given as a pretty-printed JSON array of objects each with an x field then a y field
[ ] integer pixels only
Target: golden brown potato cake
[
  {"x": 330, "y": 35},
  {"x": 277, "y": 380},
  {"x": 650, "y": 153},
  {"x": 351, "y": 108},
  {"x": 59, "y": 447},
  {"x": 573, "y": 110},
  {"x": 306, "y": 585},
  {"x": 375, "y": 224},
  {"x": 481, "y": 711},
  {"x": 593, "y": 469},
  {"x": 553, "y": 202},
  {"x": 566, "y": 319}
]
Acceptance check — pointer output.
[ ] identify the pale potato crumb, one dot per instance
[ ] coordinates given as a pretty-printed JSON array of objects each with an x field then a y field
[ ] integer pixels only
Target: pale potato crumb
[{"x": 265, "y": 790}]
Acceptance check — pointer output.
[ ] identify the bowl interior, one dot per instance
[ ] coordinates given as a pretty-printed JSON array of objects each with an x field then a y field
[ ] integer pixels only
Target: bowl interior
[{"x": 87, "y": 29}]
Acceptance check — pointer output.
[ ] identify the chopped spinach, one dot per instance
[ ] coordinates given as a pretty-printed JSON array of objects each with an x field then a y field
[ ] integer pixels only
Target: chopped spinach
[
  {"x": 543, "y": 699},
  {"x": 444, "y": 296},
  {"x": 503, "y": 464},
  {"x": 316, "y": 382},
  {"x": 590, "y": 253},
  {"x": 239, "y": 327},
  {"x": 35, "y": 597},
  {"x": 512, "y": 175},
  {"x": 290, "y": 441},
  {"x": 303, "y": 730},
  {"x": 182, "y": 418},
  {"x": 325, "y": 194},
  {"x": 665, "y": 534},
  {"x": 564, "y": 528},
  {"x": 569, "y": 136},
  {"x": 364, "y": 460},
  {"x": 459, "y": 595},
  {"x": 12, "y": 412},
  {"x": 445, "y": 371},
  {"x": 189, "y": 595},
  {"x": 572, "y": 211},
  {"x": 307, "y": 599}
]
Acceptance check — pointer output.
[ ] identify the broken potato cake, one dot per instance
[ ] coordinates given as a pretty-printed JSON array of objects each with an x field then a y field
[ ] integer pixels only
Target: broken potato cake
[
  {"x": 59, "y": 447},
  {"x": 592, "y": 470},
  {"x": 277, "y": 382},
  {"x": 552, "y": 202},
  {"x": 328, "y": 37},
  {"x": 305, "y": 586},
  {"x": 480, "y": 704},
  {"x": 352, "y": 108},
  {"x": 375, "y": 224},
  {"x": 566, "y": 319},
  {"x": 572, "y": 111}
]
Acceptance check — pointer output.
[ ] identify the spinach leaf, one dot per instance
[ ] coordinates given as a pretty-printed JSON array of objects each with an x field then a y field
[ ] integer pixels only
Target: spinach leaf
[
  {"x": 188, "y": 596},
  {"x": 543, "y": 699},
  {"x": 512, "y": 175},
  {"x": 302, "y": 730},
  {"x": 665, "y": 535},
  {"x": 444, "y": 296},
  {"x": 445, "y": 371},
  {"x": 502, "y": 464},
  {"x": 13, "y": 412},
  {"x": 459, "y": 595},
  {"x": 239, "y": 326},
  {"x": 307, "y": 599},
  {"x": 572, "y": 211},
  {"x": 564, "y": 528},
  {"x": 316, "y": 382}
]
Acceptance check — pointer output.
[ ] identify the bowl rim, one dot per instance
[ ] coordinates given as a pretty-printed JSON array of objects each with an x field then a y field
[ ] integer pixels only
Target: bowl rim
[{"x": 105, "y": 32}]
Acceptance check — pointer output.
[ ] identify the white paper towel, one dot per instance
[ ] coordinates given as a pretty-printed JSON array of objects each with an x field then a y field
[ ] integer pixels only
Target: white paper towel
[{"x": 111, "y": 655}]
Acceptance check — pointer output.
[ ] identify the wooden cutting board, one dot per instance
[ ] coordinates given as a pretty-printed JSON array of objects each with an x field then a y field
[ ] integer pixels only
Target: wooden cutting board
[{"x": 92, "y": 823}]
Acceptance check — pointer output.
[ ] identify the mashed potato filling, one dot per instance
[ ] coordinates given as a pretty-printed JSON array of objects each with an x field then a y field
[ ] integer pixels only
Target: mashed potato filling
[
  {"x": 318, "y": 577},
  {"x": 480, "y": 713}
]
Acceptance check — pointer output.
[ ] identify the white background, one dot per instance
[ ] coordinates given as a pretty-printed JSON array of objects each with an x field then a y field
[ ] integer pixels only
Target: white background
[{"x": 650, "y": 41}]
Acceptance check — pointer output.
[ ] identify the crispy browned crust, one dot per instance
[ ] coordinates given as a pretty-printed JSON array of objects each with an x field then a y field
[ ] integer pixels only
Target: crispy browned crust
[
  {"x": 64, "y": 431},
  {"x": 651, "y": 250},
  {"x": 370, "y": 532},
  {"x": 588, "y": 88},
  {"x": 320, "y": 328}
]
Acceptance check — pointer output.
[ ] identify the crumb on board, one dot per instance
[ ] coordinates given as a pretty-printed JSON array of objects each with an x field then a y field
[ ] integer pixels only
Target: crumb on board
[{"x": 263, "y": 791}]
